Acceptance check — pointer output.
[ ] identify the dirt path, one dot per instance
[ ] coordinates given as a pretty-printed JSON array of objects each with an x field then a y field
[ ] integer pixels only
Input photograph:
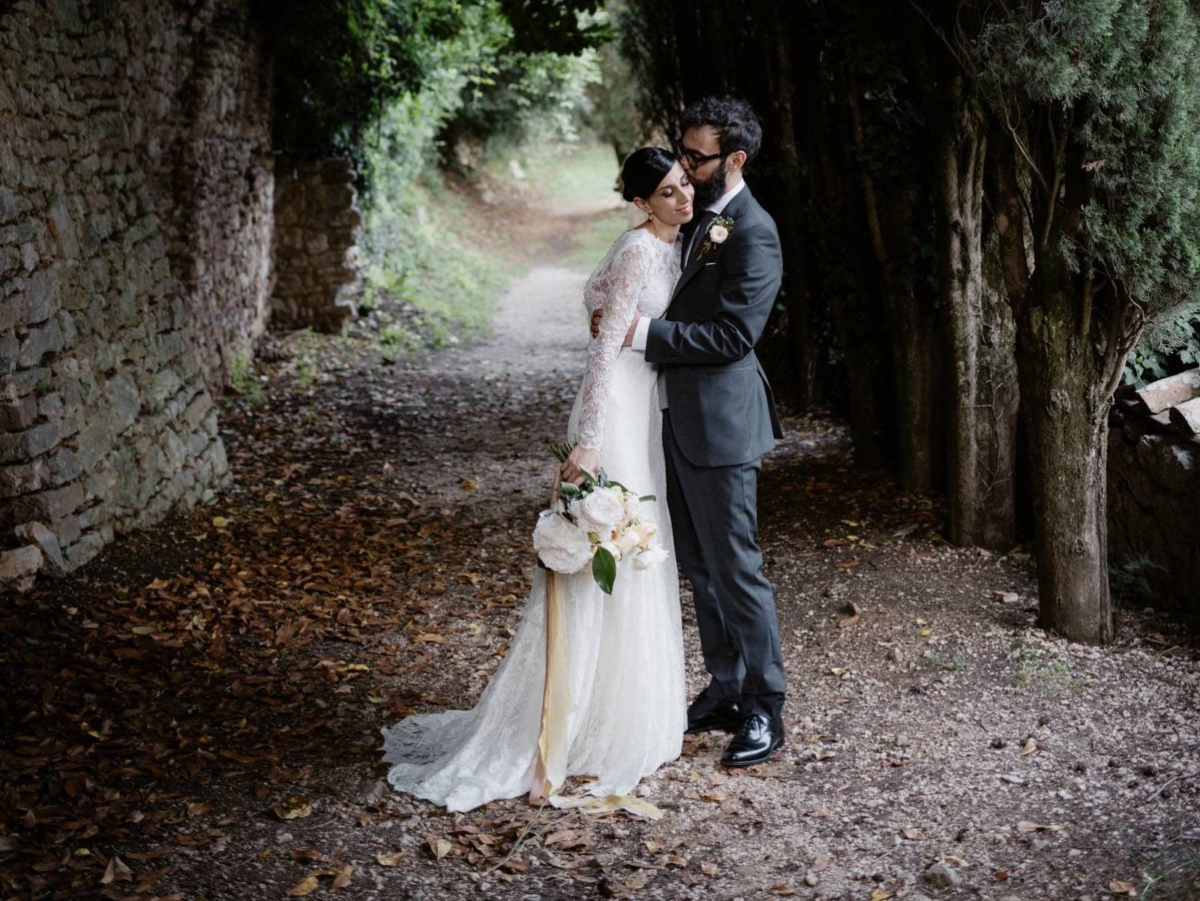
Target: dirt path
[{"x": 203, "y": 702}]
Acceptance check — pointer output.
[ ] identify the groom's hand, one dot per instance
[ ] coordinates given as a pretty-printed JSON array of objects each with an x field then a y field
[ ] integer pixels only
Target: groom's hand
[
  {"x": 596, "y": 317},
  {"x": 632, "y": 328}
]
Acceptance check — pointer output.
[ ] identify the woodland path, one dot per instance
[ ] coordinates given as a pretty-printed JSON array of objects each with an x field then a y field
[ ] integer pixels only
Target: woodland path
[{"x": 203, "y": 701}]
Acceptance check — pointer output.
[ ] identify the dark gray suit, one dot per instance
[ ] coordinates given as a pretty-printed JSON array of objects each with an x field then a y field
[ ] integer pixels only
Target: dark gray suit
[{"x": 719, "y": 420}]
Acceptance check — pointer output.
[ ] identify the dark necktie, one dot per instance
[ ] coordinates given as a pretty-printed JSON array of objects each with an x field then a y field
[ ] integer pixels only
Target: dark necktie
[{"x": 697, "y": 238}]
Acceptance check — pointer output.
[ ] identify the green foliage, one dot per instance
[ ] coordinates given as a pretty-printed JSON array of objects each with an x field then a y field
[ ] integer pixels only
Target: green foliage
[
  {"x": 422, "y": 254},
  {"x": 1169, "y": 345},
  {"x": 339, "y": 63},
  {"x": 1035, "y": 667},
  {"x": 1125, "y": 75},
  {"x": 341, "y": 66},
  {"x": 242, "y": 378}
]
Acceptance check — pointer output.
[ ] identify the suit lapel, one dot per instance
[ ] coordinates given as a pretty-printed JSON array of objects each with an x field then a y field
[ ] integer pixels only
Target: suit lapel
[{"x": 733, "y": 210}]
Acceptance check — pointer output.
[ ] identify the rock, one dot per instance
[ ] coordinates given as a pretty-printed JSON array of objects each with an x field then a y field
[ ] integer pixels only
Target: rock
[
  {"x": 943, "y": 876},
  {"x": 47, "y": 541},
  {"x": 16, "y": 565}
]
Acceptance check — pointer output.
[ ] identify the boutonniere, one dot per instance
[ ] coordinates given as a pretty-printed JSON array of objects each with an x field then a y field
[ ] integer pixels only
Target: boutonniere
[{"x": 718, "y": 233}]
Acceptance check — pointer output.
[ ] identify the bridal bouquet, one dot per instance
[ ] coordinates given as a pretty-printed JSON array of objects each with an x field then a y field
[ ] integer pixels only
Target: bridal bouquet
[{"x": 598, "y": 522}]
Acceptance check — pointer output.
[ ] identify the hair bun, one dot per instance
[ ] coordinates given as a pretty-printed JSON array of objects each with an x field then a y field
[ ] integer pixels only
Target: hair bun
[{"x": 643, "y": 171}]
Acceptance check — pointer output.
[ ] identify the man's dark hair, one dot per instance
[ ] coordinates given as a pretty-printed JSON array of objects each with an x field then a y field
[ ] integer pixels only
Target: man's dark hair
[{"x": 734, "y": 121}]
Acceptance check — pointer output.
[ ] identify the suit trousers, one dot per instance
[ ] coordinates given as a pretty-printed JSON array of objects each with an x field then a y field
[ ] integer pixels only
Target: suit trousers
[{"x": 714, "y": 517}]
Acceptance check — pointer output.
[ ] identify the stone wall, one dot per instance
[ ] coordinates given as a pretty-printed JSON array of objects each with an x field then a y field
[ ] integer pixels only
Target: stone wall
[
  {"x": 316, "y": 253},
  {"x": 1154, "y": 508},
  {"x": 136, "y": 191}
]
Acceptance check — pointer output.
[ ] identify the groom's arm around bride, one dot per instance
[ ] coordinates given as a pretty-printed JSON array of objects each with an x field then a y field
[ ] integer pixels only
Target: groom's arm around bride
[{"x": 719, "y": 419}]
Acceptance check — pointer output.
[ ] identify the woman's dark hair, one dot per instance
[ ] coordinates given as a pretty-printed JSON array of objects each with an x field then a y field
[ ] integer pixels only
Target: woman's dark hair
[
  {"x": 644, "y": 171},
  {"x": 734, "y": 121}
]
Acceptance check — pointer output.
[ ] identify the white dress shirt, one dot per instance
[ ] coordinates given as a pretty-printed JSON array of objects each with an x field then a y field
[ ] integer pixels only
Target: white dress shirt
[{"x": 638, "y": 341}]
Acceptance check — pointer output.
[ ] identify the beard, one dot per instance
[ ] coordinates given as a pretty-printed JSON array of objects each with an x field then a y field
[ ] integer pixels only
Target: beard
[{"x": 709, "y": 190}]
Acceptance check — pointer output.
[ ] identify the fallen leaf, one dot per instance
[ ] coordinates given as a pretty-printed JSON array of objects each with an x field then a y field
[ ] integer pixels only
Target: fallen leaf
[
  {"x": 609, "y": 804},
  {"x": 1029, "y": 826},
  {"x": 1120, "y": 887},
  {"x": 910, "y": 833},
  {"x": 391, "y": 859},
  {"x": 783, "y": 890},
  {"x": 309, "y": 883},
  {"x": 438, "y": 846},
  {"x": 709, "y": 869},
  {"x": 293, "y": 809},
  {"x": 568, "y": 839},
  {"x": 878, "y": 894},
  {"x": 342, "y": 879},
  {"x": 1030, "y": 746},
  {"x": 116, "y": 871}
]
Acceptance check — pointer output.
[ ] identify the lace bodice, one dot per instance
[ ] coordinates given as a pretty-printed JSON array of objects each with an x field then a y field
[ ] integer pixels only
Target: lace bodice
[{"x": 636, "y": 277}]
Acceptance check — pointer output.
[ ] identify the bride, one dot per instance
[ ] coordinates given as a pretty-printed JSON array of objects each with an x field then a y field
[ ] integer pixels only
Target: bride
[{"x": 625, "y": 650}]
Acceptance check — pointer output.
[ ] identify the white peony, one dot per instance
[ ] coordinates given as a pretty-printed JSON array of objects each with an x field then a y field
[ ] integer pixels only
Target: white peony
[
  {"x": 646, "y": 530},
  {"x": 628, "y": 541},
  {"x": 633, "y": 507},
  {"x": 652, "y": 556},
  {"x": 561, "y": 545},
  {"x": 601, "y": 511},
  {"x": 718, "y": 233}
]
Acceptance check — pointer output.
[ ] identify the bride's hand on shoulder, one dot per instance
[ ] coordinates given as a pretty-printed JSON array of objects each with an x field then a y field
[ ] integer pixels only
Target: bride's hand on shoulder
[
  {"x": 597, "y": 315},
  {"x": 580, "y": 459}
]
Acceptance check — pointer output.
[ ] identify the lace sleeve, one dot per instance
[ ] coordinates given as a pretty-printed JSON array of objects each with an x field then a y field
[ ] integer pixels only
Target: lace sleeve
[{"x": 618, "y": 288}]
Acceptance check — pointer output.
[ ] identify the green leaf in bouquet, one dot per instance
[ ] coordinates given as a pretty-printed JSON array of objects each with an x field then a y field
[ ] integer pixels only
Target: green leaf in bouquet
[
  {"x": 604, "y": 570},
  {"x": 569, "y": 491},
  {"x": 648, "y": 497}
]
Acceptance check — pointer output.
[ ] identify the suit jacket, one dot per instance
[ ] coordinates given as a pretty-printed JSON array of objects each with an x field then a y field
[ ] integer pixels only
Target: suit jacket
[{"x": 721, "y": 404}]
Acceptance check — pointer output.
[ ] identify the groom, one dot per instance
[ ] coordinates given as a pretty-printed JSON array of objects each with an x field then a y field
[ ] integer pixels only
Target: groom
[{"x": 718, "y": 420}]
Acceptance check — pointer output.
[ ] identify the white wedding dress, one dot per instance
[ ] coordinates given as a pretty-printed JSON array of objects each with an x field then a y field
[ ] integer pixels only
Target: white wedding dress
[{"x": 625, "y": 651}]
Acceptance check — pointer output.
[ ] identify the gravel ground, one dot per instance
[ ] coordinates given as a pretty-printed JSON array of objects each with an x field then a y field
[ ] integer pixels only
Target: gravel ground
[{"x": 940, "y": 745}]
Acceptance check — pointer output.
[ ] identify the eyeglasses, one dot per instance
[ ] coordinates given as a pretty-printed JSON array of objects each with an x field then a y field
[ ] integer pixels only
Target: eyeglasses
[{"x": 695, "y": 159}]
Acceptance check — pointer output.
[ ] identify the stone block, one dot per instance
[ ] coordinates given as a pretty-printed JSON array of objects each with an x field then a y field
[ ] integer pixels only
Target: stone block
[
  {"x": 19, "y": 479},
  {"x": 18, "y": 564},
  {"x": 46, "y": 505},
  {"x": 83, "y": 550},
  {"x": 93, "y": 442},
  {"x": 67, "y": 529},
  {"x": 18, "y": 414},
  {"x": 29, "y": 443},
  {"x": 64, "y": 466},
  {"x": 8, "y": 352},
  {"x": 18, "y": 384},
  {"x": 40, "y": 342},
  {"x": 125, "y": 401},
  {"x": 12, "y": 205},
  {"x": 14, "y": 311},
  {"x": 35, "y": 533},
  {"x": 62, "y": 227},
  {"x": 42, "y": 294}
]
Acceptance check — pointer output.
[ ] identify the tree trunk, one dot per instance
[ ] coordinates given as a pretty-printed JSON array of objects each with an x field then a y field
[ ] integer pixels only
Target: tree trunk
[
  {"x": 1069, "y": 444},
  {"x": 998, "y": 404},
  {"x": 853, "y": 307},
  {"x": 911, "y": 338},
  {"x": 1065, "y": 398}
]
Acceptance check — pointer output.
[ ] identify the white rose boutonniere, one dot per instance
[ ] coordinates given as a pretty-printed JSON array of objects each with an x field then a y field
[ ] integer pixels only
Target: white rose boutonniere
[{"x": 718, "y": 233}]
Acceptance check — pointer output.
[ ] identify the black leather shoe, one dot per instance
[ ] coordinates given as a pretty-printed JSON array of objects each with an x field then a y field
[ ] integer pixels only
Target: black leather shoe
[
  {"x": 706, "y": 715},
  {"x": 755, "y": 742}
]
